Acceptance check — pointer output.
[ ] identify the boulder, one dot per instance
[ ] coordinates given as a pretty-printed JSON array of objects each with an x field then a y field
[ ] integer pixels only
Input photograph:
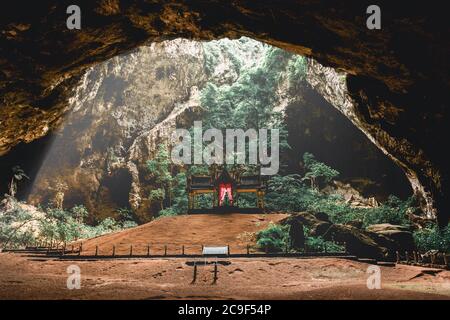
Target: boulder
[
  {"x": 377, "y": 242},
  {"x": 358, "y": 224},
  {"x": 296, "y": 234},
  {"x": 316, "y": 226},
  {"x": 404, "y": 240},
  {"x": 308, "y": 219},
  {"x": 358, "y": 242},
  {"x": 320, "y": 228},
  {"x": 322, "y": 216},
  {"x": 386, "y": 227},
  {"x": 400, "y": 238}
]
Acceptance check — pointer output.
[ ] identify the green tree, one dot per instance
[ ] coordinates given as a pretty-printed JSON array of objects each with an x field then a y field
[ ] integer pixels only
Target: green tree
[
  {"x": 159, "y": 169},
  {"x": 158, "y": 195},
  {"x": 317, "y": 172},
  {"x": 79, "y": 213}
]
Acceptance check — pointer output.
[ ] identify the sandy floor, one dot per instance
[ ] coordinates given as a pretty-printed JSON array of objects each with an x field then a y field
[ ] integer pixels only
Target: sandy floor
[
  {"x": 192, "y": 231},
  {"x": 36, "y": 277},
  {"x": 320, "y": 278}
]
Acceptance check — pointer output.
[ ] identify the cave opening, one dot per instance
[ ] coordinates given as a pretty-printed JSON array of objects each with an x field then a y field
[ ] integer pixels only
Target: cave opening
[
  {"x": 117, "y": 187},
  {"x": 125, "y": 108}
]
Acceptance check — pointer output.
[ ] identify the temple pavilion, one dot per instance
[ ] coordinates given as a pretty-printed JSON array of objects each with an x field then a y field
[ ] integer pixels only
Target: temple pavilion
[{"x": 225, "y": 189}]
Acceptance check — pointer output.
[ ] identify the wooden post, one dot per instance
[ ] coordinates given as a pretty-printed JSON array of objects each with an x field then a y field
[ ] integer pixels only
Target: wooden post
[
  {"x": 398, "y": 256},
  {"x": 407, "y": 256},
  {"x": 131, "y": 250},
  {"x": 80, "y": 248},
  {"x": 248, "y": 249},
  {"x": 182, "y": 250},
  {"x": 165, "y": 250},
  {"x": 215, "y": 273},
  {"x": 71, "y": 249},
  {"x": 96, "y": 250},
  {"x": 228, "y": 249},
  {"x": 64, "y": 249},
  {"x": 433, "y": 258},
  {"x": 148, "y": 250},
  {"x": 114, "y": 251},
  {"x": 415, "y": 256},
  {"x": 194, "y": 278}
]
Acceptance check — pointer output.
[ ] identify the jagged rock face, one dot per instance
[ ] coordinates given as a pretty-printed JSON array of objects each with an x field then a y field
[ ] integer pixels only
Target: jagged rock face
[
  {"x": 399, "y": 76},
  {"x": 315, "y": 126},
  {"x": 121, "y": 110},
  {"x": 125, "y": 107}
]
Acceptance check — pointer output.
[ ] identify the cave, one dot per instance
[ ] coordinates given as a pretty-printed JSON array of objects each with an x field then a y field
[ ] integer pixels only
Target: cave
[
  {"x": 397, "y": 76},
  {"x": 118, "y": 186},
  {"x": 360, "y": 191},
  {"x": 123, "y": 109}
]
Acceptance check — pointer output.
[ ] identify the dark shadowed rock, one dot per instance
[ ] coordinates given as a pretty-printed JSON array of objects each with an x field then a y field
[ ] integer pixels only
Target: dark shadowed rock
[
  {"x": 296, "y": 234},
  {"x": 399, "y": 236},
  {"x": 358, "y": 224},
  {"x": 365, "y": 244},
  {"x": 315, "y": 226},
  {"x": 322, "y": 216},
  {"x": 386, "y": 227},
  {"x": 357, "y": 242}
]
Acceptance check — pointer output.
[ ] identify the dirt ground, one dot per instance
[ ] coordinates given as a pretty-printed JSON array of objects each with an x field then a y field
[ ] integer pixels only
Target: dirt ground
[
  {"x": 192, "y": 231},
  {"x": 24, "y": 277}
]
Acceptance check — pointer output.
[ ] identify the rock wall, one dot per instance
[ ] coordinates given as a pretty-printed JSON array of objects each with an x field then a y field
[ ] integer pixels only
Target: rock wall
[
  {"x": 124, "y": 108},
  {"x": 121, "y": 110},
  {"x": 316, "y": 125},
  {"x": 398, "y": 76}
]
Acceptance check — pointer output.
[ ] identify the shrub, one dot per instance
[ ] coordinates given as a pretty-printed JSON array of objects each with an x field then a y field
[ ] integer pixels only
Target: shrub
[
  {"x": 126, "y": 215},
  {"x": 15, "y": 226},
  {"x": 169, "y": 212},
  {"x": 318, "y": 244},
  {"x": 431, "y": 238},
  {"x": 20, "y": 226},
  {"x": 274, "y": 238},
  {"x": 289, "y": 193}
]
